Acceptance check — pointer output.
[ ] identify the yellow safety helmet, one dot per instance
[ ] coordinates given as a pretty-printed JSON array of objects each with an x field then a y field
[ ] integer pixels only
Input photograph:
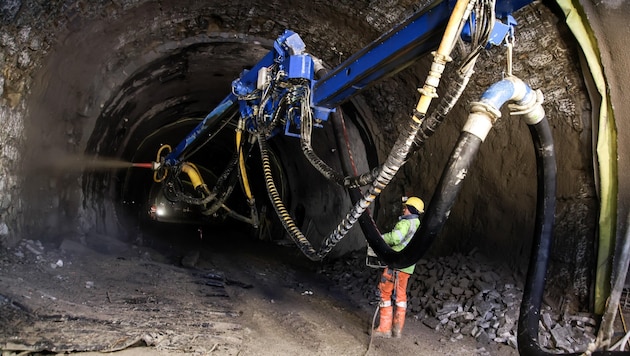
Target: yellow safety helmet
[{"x": 416, "y": 203}]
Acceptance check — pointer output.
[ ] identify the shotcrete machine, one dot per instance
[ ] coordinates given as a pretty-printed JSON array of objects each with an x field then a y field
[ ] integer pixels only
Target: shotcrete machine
[{"x": 291, "y": 92}]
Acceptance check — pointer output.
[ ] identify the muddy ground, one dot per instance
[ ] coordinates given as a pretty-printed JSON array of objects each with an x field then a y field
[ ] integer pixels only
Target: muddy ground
[{"x": 191, "y": 295}]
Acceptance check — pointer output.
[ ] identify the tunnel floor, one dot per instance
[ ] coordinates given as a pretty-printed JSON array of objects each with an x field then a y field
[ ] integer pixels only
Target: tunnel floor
[{"x": 188, "y": 294}]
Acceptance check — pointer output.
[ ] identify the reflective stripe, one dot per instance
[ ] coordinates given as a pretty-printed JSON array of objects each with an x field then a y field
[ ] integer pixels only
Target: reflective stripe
[
  {"x": 413, "y": 226},
  {"x": 401, "y": 305},
  {"x": 386, "y": 303}
]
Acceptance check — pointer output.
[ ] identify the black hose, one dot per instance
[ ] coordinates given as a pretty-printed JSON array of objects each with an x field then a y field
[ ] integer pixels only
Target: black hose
[
  {"x": 422, "y": 133},
  {"x": 529, "y": 317},
  {"x": 439, "y": 208},
  {"x": 428, "y": 126},
  {"x": 533, "y": 291}
]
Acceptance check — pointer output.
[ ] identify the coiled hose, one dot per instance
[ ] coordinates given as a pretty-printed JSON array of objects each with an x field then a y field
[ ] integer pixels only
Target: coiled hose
[
  {"x": 427, "y": 128},
  {"x": 413, "y": 136},
  {"x": 285, "y": 218},
  {"x": 385, "y": 173},
  {"x": 414, "y": 133}
]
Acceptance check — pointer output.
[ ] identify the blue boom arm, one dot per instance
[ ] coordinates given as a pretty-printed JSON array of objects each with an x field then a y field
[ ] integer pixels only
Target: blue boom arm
[{"x": 264, "y": 92}]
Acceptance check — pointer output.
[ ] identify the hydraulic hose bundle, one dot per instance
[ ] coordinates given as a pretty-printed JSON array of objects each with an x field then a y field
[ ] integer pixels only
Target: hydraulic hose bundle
[{"x": 306, "y": 130}]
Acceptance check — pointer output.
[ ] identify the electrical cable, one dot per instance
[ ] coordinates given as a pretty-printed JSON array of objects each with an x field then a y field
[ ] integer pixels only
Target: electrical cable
[
  {"x": 306, "y": 130},
  {"x": 378, "y": 307}
]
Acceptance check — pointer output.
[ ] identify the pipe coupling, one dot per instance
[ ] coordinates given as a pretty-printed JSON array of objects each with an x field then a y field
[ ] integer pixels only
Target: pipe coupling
[
  {"x": 483, "y": 107},
  {"x": 530, "y": 108},
  {"x": 481, "y": 119},
  {"x": 478, "y": 124}
]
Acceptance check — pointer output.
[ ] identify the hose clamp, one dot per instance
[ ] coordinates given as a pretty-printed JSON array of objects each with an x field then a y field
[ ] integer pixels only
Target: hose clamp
[
  {"x": 532, "y": 110},
  {"x": 485, "y": 108}
]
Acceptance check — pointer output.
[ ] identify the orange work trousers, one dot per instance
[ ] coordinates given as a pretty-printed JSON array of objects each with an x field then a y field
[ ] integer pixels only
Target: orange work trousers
[{"x": 393, "y": 286}]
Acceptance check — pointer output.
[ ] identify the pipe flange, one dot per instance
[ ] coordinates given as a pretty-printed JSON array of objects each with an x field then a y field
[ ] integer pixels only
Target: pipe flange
[
  {"x": 526, "y": 108},
  {"x": 481, "y": 107},
  {"x": 442, "y": 58},
  {"x": 530, "y": 113},
  {"x": 428, "y": 91}
]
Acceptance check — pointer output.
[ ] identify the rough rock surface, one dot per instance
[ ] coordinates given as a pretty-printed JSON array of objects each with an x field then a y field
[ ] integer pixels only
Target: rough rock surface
[
  {"x": 466, "y": 295},
  {"x": 239, "y": 298}
]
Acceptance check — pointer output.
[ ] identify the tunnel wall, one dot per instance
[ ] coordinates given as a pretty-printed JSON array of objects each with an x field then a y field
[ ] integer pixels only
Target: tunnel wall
[
  {"x": 61, "y": 63},
  {"x": 609, "y": 23}
]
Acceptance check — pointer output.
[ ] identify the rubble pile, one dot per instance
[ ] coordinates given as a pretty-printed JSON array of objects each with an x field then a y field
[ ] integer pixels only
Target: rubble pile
[{"x": 461, "y": 295}]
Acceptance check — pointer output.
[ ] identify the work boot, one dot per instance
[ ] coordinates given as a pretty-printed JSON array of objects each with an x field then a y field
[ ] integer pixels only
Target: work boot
[
  {"x": 385, "y": 325},
  {"x": 399, "y": 321}
]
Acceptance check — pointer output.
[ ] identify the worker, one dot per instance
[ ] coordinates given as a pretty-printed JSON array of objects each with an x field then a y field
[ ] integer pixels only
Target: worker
[{"x": 393, "y": 283}]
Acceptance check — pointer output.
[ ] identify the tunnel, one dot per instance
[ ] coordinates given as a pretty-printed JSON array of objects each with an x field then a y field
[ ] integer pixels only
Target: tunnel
[{"x": 87, "y": 88}]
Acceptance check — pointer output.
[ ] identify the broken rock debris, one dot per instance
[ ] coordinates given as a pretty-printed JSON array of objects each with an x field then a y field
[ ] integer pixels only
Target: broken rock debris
[{"x": 462, "y": 295}]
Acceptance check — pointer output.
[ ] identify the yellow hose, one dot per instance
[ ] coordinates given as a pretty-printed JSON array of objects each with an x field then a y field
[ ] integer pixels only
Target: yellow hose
[
  {"x": 241, "y": 165},
  {"x": 441, "y": 57},
  {"x": 193, "y": 173}
]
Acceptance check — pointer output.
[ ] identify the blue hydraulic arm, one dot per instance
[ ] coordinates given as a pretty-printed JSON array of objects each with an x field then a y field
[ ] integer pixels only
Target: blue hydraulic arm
[
  {"x": 385, "y": 56},
  {"x": 397, "y": 49}
]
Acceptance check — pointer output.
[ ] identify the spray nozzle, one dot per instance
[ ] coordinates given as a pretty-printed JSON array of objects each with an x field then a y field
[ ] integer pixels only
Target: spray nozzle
[{"x": 151, "y": 165}]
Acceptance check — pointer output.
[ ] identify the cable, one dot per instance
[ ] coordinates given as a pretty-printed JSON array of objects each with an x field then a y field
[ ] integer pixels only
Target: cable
[
  {"x": 306, "y": 130},
  {"x": 378, "y": 307}
]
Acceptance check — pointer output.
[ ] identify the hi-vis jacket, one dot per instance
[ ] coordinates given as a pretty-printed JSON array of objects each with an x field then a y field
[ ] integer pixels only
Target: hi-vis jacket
[{"x": 402, "y": 233}]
